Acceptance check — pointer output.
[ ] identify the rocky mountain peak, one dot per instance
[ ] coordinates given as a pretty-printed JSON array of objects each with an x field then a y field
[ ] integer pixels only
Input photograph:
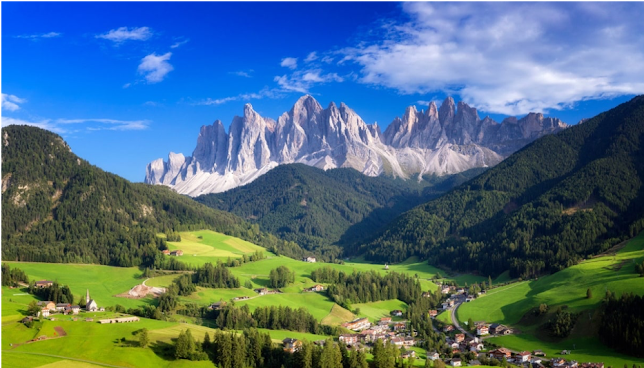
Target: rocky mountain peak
[{"x": 443, "y": 140}]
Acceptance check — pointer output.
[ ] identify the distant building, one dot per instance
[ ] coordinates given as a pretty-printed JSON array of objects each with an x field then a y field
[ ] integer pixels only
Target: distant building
[
  {"x": 261, "y": 291},
  {"x": 48, "y": 304},
  {"x": 291, "y": 345},
  {"x": 523, "y": 357},
  {"x": 349, "y": 339},
  {"x": 309, "y": 259},
  {"x": 166, "y": 252},
  {"x": 119, "y": 320},
  {"x": 482, "y": 330},
  {"x": 384, "y": 321},
  {"x": 459, "y": 337},
  {"x": 315, "y": 288},
  {"x": 357, "y": 324},
  {"x": 408, "y": 354},
  {"x": 61, "y": 306},
  {"x": 500, "y": 353},
  {"x": 433, "y": 313},
  {"x": 433, "y": 355},
  {"x": 90, "y": 304},
  {"x": 176, "y": 253},
  {"x": 217, "y": 305},
  {"x": 397, "y": 313},
  {"x": 44, "y": 284},
  {"x": 455, "y": 362},
  {"x": 399, "y": 326}
]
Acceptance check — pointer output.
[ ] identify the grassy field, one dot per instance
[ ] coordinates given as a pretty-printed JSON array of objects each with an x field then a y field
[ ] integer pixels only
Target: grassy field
[
  {"x": 316, "y": 304},
  {"x": 103, "y": 282},
  {"x": 200, "y": 247},
  {"x": 376, "y": 310},
  {"x": 510, "y": 304},
  {"x": 445, "y": 317},
  {"x": 337, "y": 316}
]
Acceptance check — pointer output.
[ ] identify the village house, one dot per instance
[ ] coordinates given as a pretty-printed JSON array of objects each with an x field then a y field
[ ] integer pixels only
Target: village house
[
  {"x": 309, "y": 259},
  {"x": 61, "y": 306},
  {"x": 291, "y": 345},
  {"x": 261, "y": 291},
  {"x": 445, "y": 289},
  {"x": 315, "y": 288},
  {"x": 399, "y": 326},
  {"x": 176, "y": 253},
  {"x": 455, "y": 362},
  {"x": 433, "y": 355},
  {"x": 450, "y": 302},
  {"x": 426, "y": 294},
  {"x": 166, "y": 252},
  {"x": 74, "y": 309},
  {"x": 44, "y": 312},
  {"x": 241, "y": 298},
  {"x": 397, "y": 313},
  {"x": 469, "y": 299},
  {"x": 369, "y": 335},
  {"x": 384, "y": 321},
  {"x": 409, "y": 341},
  {"x": 380, "y": 328},
  {"x": 349, "y": 339},
  {"x": 44, "y": 284},
  {"x": 474, "y": 363},
  {"x": 459, "y": 337},
  {"x": 454, "y": 345},
  {"x": 357, "y": 324},
  {"x": 49, "y": 305},
  {"x": 500, "y": 353},
  {"x": 522, "y": 357},
  {"x": 217, "y": 305},
  {"x": 398, "y": 341},
  {"x": 538, "y": 353},
  {"x": 448, "y": 328},
  {"x": 408, "y": 354},
  {"x": 482, "y": 330},
  {"x": 433, "y": 313},
  {"x": 476, "y": 346}
]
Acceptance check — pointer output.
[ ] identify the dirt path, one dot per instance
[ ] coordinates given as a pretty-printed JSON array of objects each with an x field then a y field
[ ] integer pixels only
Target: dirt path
[
  {"x": 65, "y": 358},
  {"x": 60, "y": 331}
]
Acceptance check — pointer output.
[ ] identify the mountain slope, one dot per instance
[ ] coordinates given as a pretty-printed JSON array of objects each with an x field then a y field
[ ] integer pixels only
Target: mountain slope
[
  {"x": 559, "y": 199},
  {"x": 442, "y": 141},
  {"x": 57, "y": 207},
  {"x": 317, "y": 208}
]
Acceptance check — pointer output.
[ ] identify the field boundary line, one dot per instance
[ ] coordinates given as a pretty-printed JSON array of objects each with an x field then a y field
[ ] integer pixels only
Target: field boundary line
[{"x": 65, "y": 358}]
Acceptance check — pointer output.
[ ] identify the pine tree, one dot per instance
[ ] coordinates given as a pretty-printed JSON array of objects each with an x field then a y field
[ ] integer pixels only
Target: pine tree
[
  {"x": 589, "y": 294},
  {"x": 489, "y": 282},
  {"x": 182, "y": 348},
  {"x": 470, "y": 324},
  {"x": 439, "y": 364}
]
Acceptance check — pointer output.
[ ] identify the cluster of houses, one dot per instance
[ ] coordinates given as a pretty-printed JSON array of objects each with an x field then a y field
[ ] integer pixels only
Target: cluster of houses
[
  {"x": 174, "y": 253},
  {"x": 462, "y": 344},
  {"x": 48, "y": 307},
  {"x": 483, "y": 329},
  {"x": 534, "y": 359},
  {"x": 385, "y": 330}
]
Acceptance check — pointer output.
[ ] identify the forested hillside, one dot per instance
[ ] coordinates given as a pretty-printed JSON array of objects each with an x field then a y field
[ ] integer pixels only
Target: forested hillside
[
  {"x": 318, "y": 208},
  {"x": 57, "y": 207},
  {"x": 558, "y": 200}
]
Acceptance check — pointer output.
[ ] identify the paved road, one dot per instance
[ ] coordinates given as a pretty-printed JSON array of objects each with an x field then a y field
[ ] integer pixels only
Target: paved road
[
  {"x": 457, "y": 304},
  {"x": 64, "y": 357}
]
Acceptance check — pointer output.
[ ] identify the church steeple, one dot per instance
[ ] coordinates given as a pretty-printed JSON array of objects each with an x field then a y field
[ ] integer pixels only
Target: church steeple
[{"x": 87, "y": 298}]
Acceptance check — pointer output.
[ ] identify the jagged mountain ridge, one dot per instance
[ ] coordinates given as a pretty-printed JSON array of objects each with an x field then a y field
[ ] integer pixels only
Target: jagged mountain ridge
[{"x": 441, "y": 141}]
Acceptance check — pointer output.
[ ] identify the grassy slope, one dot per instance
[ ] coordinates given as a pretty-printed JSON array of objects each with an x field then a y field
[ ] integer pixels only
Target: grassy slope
[
  {"x": 376, "y": 310},
  {"x": 103, "y": 282},
  {"x": 510, "y": 303}
]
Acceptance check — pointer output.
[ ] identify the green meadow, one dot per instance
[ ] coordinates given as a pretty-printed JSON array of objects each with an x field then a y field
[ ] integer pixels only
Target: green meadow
[
  {"x": 103, "y": 282},
  {"x": 200, "y": 247},
  {"x": 376, "y": 310},
  {"x": 510, "y": 304}
]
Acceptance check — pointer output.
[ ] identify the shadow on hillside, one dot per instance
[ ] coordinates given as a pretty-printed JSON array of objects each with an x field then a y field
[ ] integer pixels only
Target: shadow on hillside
[{"x": 163, "y": 350}]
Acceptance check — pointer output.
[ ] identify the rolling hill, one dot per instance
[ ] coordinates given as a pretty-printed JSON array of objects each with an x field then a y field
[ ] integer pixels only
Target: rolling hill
[
  {"x": 56, "y": 207},
  {"x": 318, "y": 208},
  {"x": 562, "y": 198}
]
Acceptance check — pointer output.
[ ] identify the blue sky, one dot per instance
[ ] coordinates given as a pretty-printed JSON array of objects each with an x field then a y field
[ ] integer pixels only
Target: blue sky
[{"x": 125, "y": 83}]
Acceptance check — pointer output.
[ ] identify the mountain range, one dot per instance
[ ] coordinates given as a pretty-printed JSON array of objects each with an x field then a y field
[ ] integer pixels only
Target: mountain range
[{"x": 440, "y": 141}]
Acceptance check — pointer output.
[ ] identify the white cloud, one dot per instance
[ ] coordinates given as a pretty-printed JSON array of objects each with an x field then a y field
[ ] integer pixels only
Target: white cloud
[
  {"x": 38, "y": 36},
  {"x": 59, "y": 125},
  {"x": 289, "y": 62},
  {"x": 124, "y": 34},
  {"x": 108, "y": 124},
  {"x": 10, "y": 102},
  {"x": 155, "y": 67},
  {"x": 327, "y": 59},
  {"x": 264, "y": 93},
  {"x": 302, "y": 80},
  {"x": 311, "y": 57},
  {"x": 241, "y": 73},
  {"x": 43, "y": 124},
  {"x": 179, "y": 43},
  {"x": 510, "y": 58}
]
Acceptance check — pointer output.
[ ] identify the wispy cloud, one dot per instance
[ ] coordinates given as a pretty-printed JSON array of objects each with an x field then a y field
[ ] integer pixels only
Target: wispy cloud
[
  {"x": 155, "y": 67},
  {"x": 289, "y": 62},
  {"x": 123, "y": 34},
  {"x": 60, "y": 125},
  {"x": 35, "y": 37},
  {"x": 241, "y": 73},
  {"x": 302, "y": 80},
  {"x": 509, "y": 58},
  {"x": 107, "y": 124},
  {"x": 179, "y": 43},
  {"x": 10, "y": 102},
  {"x": 264, "y": 93},
  {"x": 311, "y": 57},
  {"x": 43, "y": 124}
]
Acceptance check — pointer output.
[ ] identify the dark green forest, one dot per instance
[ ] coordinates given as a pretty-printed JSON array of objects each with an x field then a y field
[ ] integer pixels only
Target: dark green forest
[
  {"x": 560, "y": 199},
  {"x": 318, "y": 209},
  {"x": 622, "y": 325},
  {"x": 56, "y": 207}
]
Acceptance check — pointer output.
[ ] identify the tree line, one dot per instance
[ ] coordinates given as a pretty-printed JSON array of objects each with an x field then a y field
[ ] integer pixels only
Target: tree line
[
  {"x": 622, "y": 324},
  {"x": 12, "y": 276}
]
